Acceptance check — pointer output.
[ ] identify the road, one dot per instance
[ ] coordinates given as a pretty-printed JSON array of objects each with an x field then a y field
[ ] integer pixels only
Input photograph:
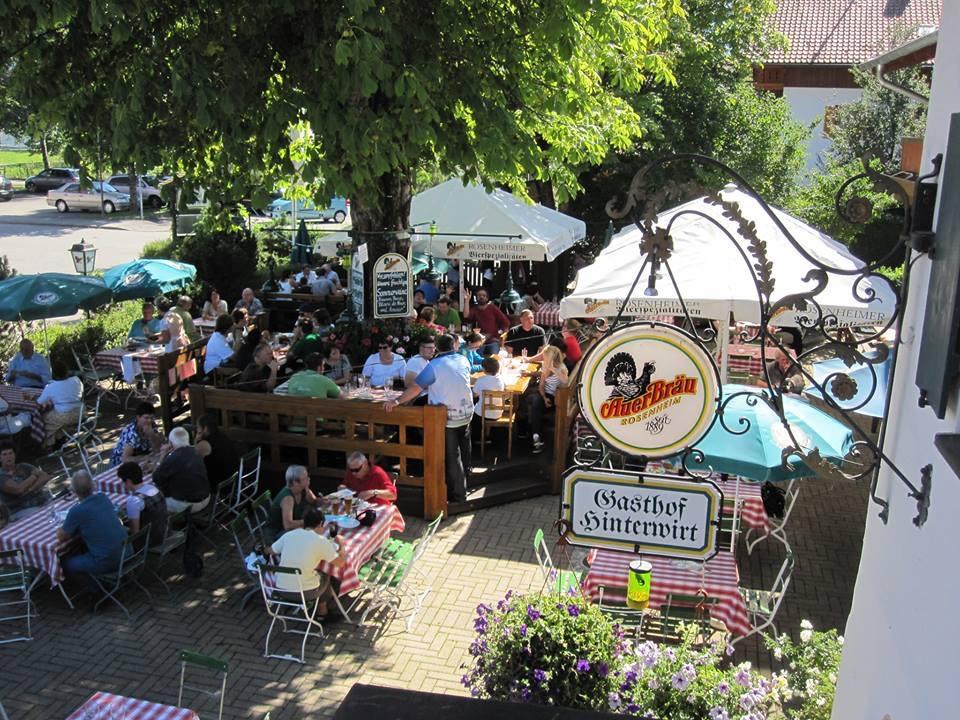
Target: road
[{"x": 36, "y": 238}]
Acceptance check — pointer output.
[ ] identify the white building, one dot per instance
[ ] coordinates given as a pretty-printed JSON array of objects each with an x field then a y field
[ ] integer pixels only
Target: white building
[
  {"x": 826, "y": 38},
  {"x": 900, "y": 659}
]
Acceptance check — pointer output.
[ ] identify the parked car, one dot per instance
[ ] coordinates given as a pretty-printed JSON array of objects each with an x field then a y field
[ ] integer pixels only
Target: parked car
[
  {"x": 151, "y": 196},
  {"x": 51, "y": 179},
  {"x": 6, "y": 189},
  {"x": 337, "y": 211},
  {"x": 73, "y": 197}
]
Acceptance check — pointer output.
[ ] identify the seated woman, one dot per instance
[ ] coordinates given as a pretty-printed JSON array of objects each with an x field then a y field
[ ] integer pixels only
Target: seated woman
[
  {"x": 553, "y": 374},
  {"x": 471, "y": 351},
  {"x": 176, "y": 333},
  {"x": 214, "y": 307},
  {"x": 288, "y": 507}
]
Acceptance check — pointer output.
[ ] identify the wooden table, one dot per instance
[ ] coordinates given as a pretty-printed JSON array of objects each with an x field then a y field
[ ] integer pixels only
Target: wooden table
[
  {"x": 25, "y": 400},
  {"x": 720, "y": 580},
  {"x": 109, "y": 706},
  {"x": 515, "y": 380},
  {"x": 129, "y": 362}
]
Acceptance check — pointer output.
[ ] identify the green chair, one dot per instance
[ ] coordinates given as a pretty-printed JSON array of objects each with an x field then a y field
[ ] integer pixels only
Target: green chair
[
  {"x": 174, "y": 538},
  {"x": 246, "y": 542},
  {"x": 385, "y": 584},
  {"x": 566, "y": 580},
  {"x": 628, "y": 618},
  {"x": 132, "y": 563},
  {"x": 260, "y": 515},
  {"x": 763, "y": 605},
  {"x": 15, "y": 603},
  {"x": 203, "y": 662},
  {"x": 686, "y": 610}
]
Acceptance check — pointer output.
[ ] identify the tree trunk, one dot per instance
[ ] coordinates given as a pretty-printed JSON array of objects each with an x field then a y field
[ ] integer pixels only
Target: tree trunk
[
  {"x": 379, "y": 221},
  {"x": 44, "y": 152}
]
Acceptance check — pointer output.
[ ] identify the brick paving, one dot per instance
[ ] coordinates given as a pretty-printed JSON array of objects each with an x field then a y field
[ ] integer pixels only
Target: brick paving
[{"x": 473, "y": 558}]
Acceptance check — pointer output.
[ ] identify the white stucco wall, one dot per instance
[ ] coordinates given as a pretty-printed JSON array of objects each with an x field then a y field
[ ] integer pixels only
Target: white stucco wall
[
  {"x": 903, "y": 636},
  {"x": 807, "y": 106}
]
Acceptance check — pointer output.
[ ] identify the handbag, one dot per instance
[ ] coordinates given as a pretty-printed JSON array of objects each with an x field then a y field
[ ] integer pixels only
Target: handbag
[
  {"x": 774, "y": 500},
  {"x": 367, "y": 518}
]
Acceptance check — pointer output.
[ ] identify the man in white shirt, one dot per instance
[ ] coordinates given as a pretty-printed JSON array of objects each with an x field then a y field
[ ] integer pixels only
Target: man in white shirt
[
  {"x": 308, "y": 273},
  {"x": 218, "y": 347},
  {"x": 61, "y": 402},
  {"x": 417, "y": 363},
  {"x": 304, "y": 549},
  {"x": 381, "y": 367},
  {"x": 28, "y": 368}
]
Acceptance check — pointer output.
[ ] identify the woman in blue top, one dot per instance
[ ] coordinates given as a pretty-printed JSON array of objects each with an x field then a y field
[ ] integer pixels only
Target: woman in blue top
[{"x": 472, "y": 351}]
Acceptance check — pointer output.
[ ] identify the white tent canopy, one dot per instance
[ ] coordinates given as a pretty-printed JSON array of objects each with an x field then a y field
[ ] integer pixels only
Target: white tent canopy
[
  {"x": 474, "y": 213},
  {"x": 714, "y": 280}
]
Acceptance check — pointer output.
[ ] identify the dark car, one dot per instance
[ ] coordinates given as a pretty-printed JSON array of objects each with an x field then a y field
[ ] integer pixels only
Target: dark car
[
  {"x": 6, "y": 189},
  {"x": 51, "y": 179}
]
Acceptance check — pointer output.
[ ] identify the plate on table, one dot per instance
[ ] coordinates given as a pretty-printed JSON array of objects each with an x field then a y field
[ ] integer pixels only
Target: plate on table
[
  {"x": 341, "y": 494},
  {"x": 345, "y": 522}
]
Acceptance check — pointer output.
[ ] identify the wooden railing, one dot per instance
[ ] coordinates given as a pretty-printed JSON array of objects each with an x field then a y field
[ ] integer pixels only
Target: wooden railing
[
  {"x": 174, "y": 370},
  {"x": 319, "y": 433}
]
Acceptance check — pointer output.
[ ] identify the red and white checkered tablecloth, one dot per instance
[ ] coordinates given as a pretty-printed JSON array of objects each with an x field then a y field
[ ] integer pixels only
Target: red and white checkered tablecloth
[
  {"x": 745, "y": 358},
  {"x": 108, "y": 705},
  {"x": 25, "y": 400},
  {"x": 359, "y": 545},
  {"x": 752, "y": 512},
  {"x": 548, "y": 315},
  {"x": 36, "y": 536},
  {"x": 206, "y": 327},
  {"x": 610, "y": 568},
  {"x": 108, "y": 482},
  {"x": 113, "y": 359}
]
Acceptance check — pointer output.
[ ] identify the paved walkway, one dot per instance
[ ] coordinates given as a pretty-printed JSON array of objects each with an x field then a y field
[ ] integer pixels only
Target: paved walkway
[{"x": 474, "y": 558}]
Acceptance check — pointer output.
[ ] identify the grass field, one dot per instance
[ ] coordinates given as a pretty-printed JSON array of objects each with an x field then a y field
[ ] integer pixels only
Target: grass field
[
  {"x": 19, "y": 164},
  {"x": 14, "y": 157}
]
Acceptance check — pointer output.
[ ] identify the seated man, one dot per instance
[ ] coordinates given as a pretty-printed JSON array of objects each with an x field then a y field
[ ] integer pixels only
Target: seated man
[
  {"x": 306, "y": 340},
  {"x": 291, "y": 503},
  {"x": 311, "y": 382},
  {"x": 322, "y": 288},
  {"x": 182, "y": 474},
  {"x": 28, "y": 369},
  {"x": 218, "y": 346},
  {"x": 383, "y": 366},
  {"x": 61, "y": 402},
  {"x": 145, "y": 503},
  {"x": 249, "y": 302},
  {"x": 371, "y": 483},
  {"x": 261, "y": 374},
  {"x": 139, "y": 437},
  {"x": 305, "y": 548},
  {"x": 94, "y": 520},
  {"x": 784, "y": 372},
  {"x": 525, "y": 336},
  {"x": 147, "y": 327},
  {"x": 22, "y": 486}
]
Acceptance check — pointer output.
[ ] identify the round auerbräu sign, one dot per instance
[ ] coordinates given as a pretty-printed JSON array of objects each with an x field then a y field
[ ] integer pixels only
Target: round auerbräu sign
[{"x": 648, "y": 390}]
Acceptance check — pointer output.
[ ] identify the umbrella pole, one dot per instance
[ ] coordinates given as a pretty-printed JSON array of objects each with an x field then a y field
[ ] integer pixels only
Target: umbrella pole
[{"x": 46, "y": 346}]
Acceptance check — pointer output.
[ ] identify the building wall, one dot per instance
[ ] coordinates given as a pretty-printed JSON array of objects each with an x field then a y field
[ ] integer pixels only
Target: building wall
[
  {"x": 900, "y": 658},
  {"x": 808, "y": 105}
]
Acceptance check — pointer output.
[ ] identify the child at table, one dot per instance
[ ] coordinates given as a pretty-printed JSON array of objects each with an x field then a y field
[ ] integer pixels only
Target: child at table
[
  {"x": 472, "y": 352},
  {"x": 490, "y": 380}
]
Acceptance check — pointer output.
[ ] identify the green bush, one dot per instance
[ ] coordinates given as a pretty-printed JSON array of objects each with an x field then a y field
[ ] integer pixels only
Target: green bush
[{"x": 160, "y": 249}]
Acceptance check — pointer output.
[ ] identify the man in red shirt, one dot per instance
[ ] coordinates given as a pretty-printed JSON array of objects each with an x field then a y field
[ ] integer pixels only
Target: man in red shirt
[
  {"x": 491, "y": 321},
  {"x": 371, "y": 483}
]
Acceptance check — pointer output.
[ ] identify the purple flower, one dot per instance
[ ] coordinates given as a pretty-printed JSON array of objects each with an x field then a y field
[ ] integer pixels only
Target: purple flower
[
  {"x": 630, "y": 677},
  {"x": 729, "y": 650},
  {"x": 742, "y": 677},
  {"x": 613, "y": 700},
  {"x": 718, "y": 713},
  {"x": 633, "y": 709},
  {"x": 465, "y": 680},
  {"x": 525, "y": 694},
  {"x": 746, "y": 701},
  {"x": 603, "y": 670},
  {"x": 539, "y": 676},
  {"x": 483, "y": 609},
  {"x": 474, "y": 692},
  {"x": 573, "y": 610},
  {"x": 689, "y": 672},
  {"x": 532, "y": 613},
  {"x": 480, "y": 625},
  {"x": 653, "y": 683},
  {"x": 523, "y": 630},
  {"x": 679, "y": 682},
  {"x": 723, "y": 688},
  {"x": 583, "y": 666}
]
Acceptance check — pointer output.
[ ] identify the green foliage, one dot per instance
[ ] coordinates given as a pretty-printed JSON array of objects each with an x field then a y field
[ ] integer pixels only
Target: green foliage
[
  {"x": 813, "y": 666},
  {"x": 225, "y": 258},
  {"x": 814, "y": 203},
  {"x": 8, "y": 331},
  {"x": 880, "y": 119},
  {"x": 161, "y": 249},
  {"x": 359, "y": 340},
  {"x": 104, "y": 329},
  {"x": 895, "y": 274}
]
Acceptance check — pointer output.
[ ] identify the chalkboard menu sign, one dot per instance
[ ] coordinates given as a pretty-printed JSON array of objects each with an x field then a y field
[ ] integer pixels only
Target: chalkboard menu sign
[
  {"x": 356, "y": 286},
  {"x": 391, "y": 282}
]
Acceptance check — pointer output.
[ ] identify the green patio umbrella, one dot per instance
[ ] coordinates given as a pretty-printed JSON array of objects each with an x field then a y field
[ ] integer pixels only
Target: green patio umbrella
[
  {"x": 50, "y": 295},
  {"x": 147, "y": 278},
  {"x": 302, "y": 245}
]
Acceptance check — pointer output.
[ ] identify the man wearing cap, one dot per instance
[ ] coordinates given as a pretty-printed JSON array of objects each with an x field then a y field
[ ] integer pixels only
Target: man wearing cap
[{"x": 447, "y": 381}]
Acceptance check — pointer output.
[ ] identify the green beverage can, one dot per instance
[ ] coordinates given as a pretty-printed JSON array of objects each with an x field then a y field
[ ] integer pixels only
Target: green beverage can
[{"x": 638, "y": 584}]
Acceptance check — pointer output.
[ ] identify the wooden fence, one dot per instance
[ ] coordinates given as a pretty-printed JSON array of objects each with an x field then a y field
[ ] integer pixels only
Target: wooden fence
[{"x": 319, "y": 433}]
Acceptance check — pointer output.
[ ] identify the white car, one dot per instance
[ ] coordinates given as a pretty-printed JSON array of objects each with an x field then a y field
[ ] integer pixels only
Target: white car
[
  {"x": 151, "y": 196},
  {"x": 73, "y": 197}
]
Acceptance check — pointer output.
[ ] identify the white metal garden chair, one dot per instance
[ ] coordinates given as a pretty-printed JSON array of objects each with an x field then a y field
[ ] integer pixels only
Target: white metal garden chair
[
  {"x": 290, "y": 613},
  {"x": 763, "y": 605},
  {"x": 777, "y": 525},
  {"x": 15, "y": 602},
  {"x": 248, "y": 483}
]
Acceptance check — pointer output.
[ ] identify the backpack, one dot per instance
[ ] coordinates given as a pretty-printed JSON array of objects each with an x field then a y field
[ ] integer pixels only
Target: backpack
[{"x": 774, "y": 500}]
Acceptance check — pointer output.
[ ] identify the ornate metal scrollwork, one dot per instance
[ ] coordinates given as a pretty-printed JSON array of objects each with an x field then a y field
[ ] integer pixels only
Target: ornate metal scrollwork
[{"x": 853, "y": 346}]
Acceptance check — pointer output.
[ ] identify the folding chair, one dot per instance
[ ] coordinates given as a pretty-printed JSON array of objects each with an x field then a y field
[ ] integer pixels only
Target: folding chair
[
  {"x": 132, "y": 562},
  {"x": 248, "y": 482},
  {"x": 505, "y": 403},
  {"x": 205, "y": 662},
  {"x": 729, "y": 524},
  {"x": 777, "y": 525},
  {"x": 621, "y": 613},
  {"x": 3, "y": 713},
  {"x": 15, "y": 584},
  {"x": 259, "y": 515},
  {"x": 565, "y": 579},
  {"x": 384, "y": 585},
  {"x": 173, "y": 539},
  {"x": 763, "y": 605},
  {"x": 246, "y": 542},
  {"x": 683, "y": 609},
  {"x": 217, "y": 512},
  {"x": 142, "y": 388},
  {"x": 91, "y": 376},
  {"x": 289, "y": 611}
]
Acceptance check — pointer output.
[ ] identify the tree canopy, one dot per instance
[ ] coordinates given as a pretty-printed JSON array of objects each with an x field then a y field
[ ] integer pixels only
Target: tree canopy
[{"x": 503, "y": 91}]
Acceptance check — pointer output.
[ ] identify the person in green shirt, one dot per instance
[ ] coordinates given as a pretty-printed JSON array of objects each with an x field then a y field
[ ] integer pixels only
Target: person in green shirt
[
  {"x": 306, "y": 341},
  {"x": 446, "y": 315},
  {"x": 182, "y": 308},
  {"x": 311, "y": 382}
]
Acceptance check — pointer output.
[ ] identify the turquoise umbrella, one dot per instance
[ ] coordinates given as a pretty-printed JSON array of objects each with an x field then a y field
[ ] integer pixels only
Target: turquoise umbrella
[
  {"x": 757, "y": 453},
  {"x": 867, "y": 377},
  {"x": 50, "y": 295},
  {"x": 147, "y": 278},
  {"x": 421, "y": 262}
]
